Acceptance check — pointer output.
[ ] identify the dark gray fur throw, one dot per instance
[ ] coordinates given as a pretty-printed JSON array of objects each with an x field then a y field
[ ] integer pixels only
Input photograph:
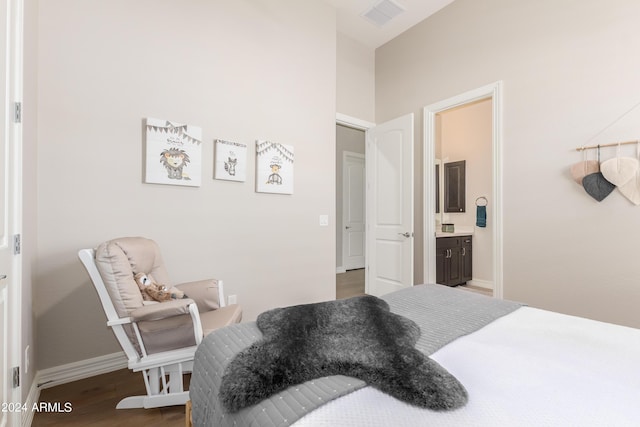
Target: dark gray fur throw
[{"x": 357, "y": 337}]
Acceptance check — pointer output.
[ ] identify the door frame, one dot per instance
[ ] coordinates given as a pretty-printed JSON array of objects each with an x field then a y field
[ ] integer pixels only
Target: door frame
[
  {"x": 354, "y": 155},
  {"x": 13, "y": 135},
  {"x": 363, "y": 125},
  {"x": 494, "y": 92},
  {"x": 353, "y": 122}
]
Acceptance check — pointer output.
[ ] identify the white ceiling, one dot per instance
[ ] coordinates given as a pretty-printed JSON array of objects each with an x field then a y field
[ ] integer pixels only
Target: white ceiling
[{"x": 351, "y": 23}]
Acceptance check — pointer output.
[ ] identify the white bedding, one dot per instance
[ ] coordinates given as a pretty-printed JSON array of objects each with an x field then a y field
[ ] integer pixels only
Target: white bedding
[{"x": 529, "y": 368}]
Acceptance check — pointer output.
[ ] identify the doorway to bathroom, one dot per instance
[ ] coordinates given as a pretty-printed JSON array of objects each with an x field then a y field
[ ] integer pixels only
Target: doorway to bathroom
[{"x": 462, "y": 199}]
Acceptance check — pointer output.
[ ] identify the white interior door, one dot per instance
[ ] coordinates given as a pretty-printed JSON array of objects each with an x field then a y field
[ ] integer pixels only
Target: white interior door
[
  {"x": 10, "y": 188},
  {"x": 353, "y": 211},
  {"x": 389, "y": 194}
]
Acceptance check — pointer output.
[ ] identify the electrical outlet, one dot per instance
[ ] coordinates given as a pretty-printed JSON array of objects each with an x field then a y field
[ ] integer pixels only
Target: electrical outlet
[
  {"x": 324, "y": 220},
  {"x": 233, "y": 299}
]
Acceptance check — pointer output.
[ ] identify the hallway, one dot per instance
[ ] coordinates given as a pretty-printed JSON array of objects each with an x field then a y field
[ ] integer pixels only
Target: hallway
[{"x": 350, "y": 284}]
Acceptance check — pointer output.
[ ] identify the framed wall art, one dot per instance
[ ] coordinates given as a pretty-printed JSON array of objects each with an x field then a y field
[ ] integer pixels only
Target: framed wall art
[
  {"x": 173, "y": 154},
  {"x": 274, "y": 167},
  {"x": 230, "y": 160}
]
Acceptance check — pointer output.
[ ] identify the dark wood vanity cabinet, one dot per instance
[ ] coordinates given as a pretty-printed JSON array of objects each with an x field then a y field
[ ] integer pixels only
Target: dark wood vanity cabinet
[{"x": 454, "y": 260}]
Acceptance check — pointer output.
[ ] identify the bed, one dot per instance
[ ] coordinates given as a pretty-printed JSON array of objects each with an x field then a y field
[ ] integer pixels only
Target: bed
[{"x": 520, "y": 366}]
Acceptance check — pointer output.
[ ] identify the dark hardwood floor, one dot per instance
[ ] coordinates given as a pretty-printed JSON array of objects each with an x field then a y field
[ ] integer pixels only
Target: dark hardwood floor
[{"x": 93, "y": 403}]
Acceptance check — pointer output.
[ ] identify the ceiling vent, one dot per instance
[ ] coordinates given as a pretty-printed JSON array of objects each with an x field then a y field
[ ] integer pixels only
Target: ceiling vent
[{"x": 383, "y": 12}]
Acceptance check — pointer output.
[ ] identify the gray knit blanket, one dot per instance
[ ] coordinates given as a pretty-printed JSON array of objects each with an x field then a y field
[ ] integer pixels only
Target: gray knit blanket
[{"x": 443, "y": 314}]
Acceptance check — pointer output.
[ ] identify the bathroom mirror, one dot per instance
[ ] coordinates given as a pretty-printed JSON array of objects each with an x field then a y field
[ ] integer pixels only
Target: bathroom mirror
[{"x": 454, "y": 186}]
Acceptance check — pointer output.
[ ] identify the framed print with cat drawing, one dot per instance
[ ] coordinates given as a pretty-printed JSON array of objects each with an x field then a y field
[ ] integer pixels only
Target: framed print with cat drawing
[{"x": 230, "y": 160}]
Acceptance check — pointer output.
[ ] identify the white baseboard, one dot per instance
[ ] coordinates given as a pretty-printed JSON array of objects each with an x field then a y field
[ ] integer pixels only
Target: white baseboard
[
  {"x": 340, "y": 270},
  {"x": 485, "y": 284},
  {"x": 80, "y": 370}
]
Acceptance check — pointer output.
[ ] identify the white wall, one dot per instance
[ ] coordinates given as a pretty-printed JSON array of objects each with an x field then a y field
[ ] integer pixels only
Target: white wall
[
  {"x": 355, "y": 64},
  {"x": 242, "y": 70},
  {"x": 569, "y": 69}
]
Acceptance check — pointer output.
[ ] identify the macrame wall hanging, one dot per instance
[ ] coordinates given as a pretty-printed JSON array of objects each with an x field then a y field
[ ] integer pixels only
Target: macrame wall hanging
[{"x": 599, "y": 179}]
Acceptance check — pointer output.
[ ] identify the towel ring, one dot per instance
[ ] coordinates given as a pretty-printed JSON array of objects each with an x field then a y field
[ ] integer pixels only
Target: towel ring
[{"x": 486, "y": 202}]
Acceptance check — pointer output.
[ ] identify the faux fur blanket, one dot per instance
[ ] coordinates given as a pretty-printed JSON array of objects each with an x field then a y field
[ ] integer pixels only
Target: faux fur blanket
[{"x": 357, "y": 337}]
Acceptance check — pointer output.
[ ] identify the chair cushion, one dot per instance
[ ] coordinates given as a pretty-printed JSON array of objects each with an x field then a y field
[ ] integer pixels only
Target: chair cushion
[
  {"x": 177, "y": 332},
  {"x": 216, "y": 319},
  {"x": 167, "y": 334},
  {"x": 204, "y": 292},
  {"x": 118, "y": 260}
]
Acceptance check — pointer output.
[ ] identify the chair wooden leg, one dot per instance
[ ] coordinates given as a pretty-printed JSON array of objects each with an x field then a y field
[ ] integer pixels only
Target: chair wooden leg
[
  {"x": 187, "y": 415},
  {"x": 160, "y": 390},
  {"x": 176, "y": 380},
  {"x": 152, "y": 380},
  {"x": 131, "y": 402}
]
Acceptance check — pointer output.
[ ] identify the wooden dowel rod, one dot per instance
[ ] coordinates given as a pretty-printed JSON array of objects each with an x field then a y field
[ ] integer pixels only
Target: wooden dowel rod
[{"x": 613, "y": 144}]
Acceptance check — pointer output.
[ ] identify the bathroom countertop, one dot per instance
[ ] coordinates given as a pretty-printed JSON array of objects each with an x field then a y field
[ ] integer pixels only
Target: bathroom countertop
[{"x": 457, "y": 233}]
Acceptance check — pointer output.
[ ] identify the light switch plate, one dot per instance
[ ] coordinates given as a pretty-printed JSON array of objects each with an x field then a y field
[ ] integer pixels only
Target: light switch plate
[{"x": 324, "y": 220}]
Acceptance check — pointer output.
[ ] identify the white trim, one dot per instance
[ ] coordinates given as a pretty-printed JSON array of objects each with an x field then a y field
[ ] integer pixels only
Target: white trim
[
  {"x": 352, "y": 122},
  {"x": 340, "y": 269},
  {"x": 12, "y": 346},
  {"x": 484, "y": 284},
  {"x": 32, "y": 398},
  {"x": 82, "y": 369},
  {"x": 493, "y": 91}
]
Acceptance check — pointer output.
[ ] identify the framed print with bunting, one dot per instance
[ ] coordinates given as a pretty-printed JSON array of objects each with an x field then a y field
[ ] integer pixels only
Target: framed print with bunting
[
  {"x": 173, "y": 153},
  {"x": 274, "y": 167}
]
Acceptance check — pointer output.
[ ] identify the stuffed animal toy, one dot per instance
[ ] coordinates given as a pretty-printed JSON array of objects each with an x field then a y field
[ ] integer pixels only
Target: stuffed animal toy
[{"x": 152, "y": 291}]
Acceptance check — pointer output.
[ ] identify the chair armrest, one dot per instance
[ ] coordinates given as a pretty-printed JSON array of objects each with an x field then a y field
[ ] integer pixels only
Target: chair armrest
[
  {"x": 161, "y": 310},
  {"x": 119, "y": 321},
  {"x": 204, "y": 292}
]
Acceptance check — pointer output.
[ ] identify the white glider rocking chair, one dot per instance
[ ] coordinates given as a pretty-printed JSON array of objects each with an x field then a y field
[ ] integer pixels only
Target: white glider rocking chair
[{"x": 159, "y": 339}]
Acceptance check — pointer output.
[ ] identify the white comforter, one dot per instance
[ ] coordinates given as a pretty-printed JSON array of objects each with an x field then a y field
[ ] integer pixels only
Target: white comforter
[{"x": 529, "y": 368}]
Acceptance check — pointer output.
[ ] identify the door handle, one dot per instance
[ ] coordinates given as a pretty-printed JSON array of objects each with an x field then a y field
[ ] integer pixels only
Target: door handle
[
  {"x": 464, "y": 251},
  {"x": 407, "y": 234},
  {"x": 347, "y": 227}
]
